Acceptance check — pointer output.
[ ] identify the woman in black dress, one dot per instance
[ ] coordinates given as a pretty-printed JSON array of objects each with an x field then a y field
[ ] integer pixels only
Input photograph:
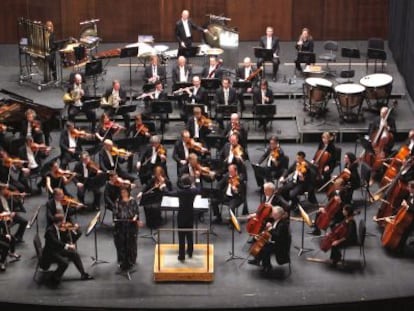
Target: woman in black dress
[{"x": 126, "y": 219}]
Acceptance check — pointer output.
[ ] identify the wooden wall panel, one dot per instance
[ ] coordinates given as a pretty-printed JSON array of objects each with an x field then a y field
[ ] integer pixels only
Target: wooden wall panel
[
  {"x": 372, "y": 19},
  {"x": 341, "y": 19},
  {"x": 73, "y": 12},
  {"x": 11, "y": 11},
  {"x": 309, "y": 14}
]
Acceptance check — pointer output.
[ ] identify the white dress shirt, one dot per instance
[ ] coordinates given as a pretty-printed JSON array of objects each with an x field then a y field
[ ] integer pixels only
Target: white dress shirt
[
  {"x": 183, "y": 75},
  {"x": 196, "y": 128},
  {"x": 72, "y": 141},
  {"x": 268, "y": 43},
  {"x": 186, "y": 28},
  {"x": 31, "y": 158},
  {"x": 111, "y": 159}
]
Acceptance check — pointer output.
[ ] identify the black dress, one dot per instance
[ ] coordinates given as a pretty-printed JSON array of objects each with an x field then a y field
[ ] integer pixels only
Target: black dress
[{"x": 126, "y": 232}]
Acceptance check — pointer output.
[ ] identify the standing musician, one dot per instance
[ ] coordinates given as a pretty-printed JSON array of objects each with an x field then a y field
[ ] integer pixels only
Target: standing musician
[
  {"x": 387, "y": 123},
  {"x": 183, "y": 32},
  {"x": 325, "y": 156},
  {"x": 32, "y": 154},
  {"x": 226, "y": 95},
  {"x": 58, "y": 178},
  {"x": 111, "y": 157},
  {"x": 304, "y": 44},
  {"x": 11, "y": 203},
  {"x": 277, "y": 229},
  {"x": 112, "y": 189},
  {"x": 154, "y": 155},
  {"x": 31, "y": 126},
  {"x": 244, "y": 73},
  {"x": 51, "y": 58},
  {"x": 107, "y": 128},
  {"x": 70, "y": 146},
  {"x": 61, "y": 251},
  {"x": 126, "y": 220},
  {"x": 182, "y": 72},
  {"x": 86, "y": 179},
  {"x": 112, "y": 99},
  {"x": 213, "y": 70},
  {"x": 270, "y": 42},
  {"x": 199, "y": 125},
  {"x": 231, "y": 191},
  {"x": 76, "y": 106},
  {"x": 154, "y": 71},
  {"x": 274, "y": 160},
  {"x": 262, "y": 96}
]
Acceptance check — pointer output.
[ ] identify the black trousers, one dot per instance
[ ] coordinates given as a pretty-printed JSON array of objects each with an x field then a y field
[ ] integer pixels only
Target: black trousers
[
  {"x": 24, "y": 180},
  {"x": 233, "y": 202},
  {"x": 275, "y": 62},
  {"x": 67, "y": 157},
  {"x": 291, "y": 190},
  {"x": 90, "y": 115},
  {"x": 96, "y": 195},
  {"x": 4, "y": 249},
  {"x": 22, "y": 223},
  {"x": 125, "y": 239},
  {"x": 182, "y": 237},
  {"x": 62, "y": 259}
]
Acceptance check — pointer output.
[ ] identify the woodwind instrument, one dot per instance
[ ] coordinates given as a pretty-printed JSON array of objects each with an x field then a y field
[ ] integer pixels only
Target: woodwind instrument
[
  {"x": 183, "y": 89},
  {"x": 143, "y": 95},
  {"x": 254, "y": 74}
]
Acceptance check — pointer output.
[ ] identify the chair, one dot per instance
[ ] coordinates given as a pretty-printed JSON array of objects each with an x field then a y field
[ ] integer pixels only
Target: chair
[
  {"x": 338, "y": 157},
  {"x": 330, "y": 56},
  {"x": 376, "y": 52},
  {"x": 362, "y": 230},
  {"x": 345, "y": 76}
]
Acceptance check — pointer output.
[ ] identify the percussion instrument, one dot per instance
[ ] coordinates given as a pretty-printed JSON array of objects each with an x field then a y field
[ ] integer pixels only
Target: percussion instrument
[
  {"x": 316, "y": 92},
  {"x": 68, "y": 56},
  {"x": 349, "y": 98},
  {"x": 144, "y": 49},
  {"x": 161, "y": 48},
  {"x": 378, "y": 87},
  {"x": 219, "y": 36},
  {"x": 214, "y": 51},
  {"x": 89, "y": 33}
]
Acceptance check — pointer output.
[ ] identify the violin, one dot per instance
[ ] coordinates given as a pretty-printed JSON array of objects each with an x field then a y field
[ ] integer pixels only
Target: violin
[
  {"x": 3, "y": 127},
  {"x": 120, "y": 152},
  {"x": 234, "y": 181},
  {"x": 14, "y": 193},
  {"x": 64, "y": 173},
  {"x": 205, "y": 171},
  {"x": 198, "y": 147},
  {"x": 238, "y": 151},
  {"x": 337, "y": 233},
  {"x": 93, "y": 166},
  {"x": 142, "y": 129},
  {"x": 204, "y": 121},
  {"x": 67, "y": 226},
  {"x": 120, "y": 183},
  {"x": 80, "y": 134},
  {"x": 111, "y": 124},
  {"x": 6, "y": 217},
  {"x": 255, "y": 224},
  {"x": 72, "y": 202},
  {"x": 324, "y": 219},
  {"x": 161, "y": 150},
  {"x": 301, "y": 167},
  {"x": 8, "y": 161},
  {"x": 275, "y": 153}
]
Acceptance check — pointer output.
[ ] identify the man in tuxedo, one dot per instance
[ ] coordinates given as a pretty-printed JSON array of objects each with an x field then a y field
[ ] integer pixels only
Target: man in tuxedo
[
  {"x": 181, "y": 72},
  {"x": 198, "y": 130},
  {"x": 183, "y": 33},
  {"x": 213, "y": 70},
  {"x": 181, "y": 150},
  {"x": 236, "y": 127},
  {"x": 196, "y": 95},
  {"x": 58, "y": 251},
  {"x": 274, "y": 158},
  {"x": 243, "y": 73},
  {"x": 109, "y": 162},
  {"x": 262, "y": 96},
  {"x": 270, "y": 42},
  {"x": 154, "y": 71},
  {"x": 226, "y": 95},
  {"x": 113, "y": 98},
  {"x": 70, "y": 147}
]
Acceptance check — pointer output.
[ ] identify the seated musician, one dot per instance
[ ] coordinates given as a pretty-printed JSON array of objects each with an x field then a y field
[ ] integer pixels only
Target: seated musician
[
  {"x": 213, "y": 70},
  {"x": 58, "y": 178},
  {"x": 181, "y": 72},
  {"x": 33, "y": 154},
  {"x": 278, "y": 228},
  {"x": 154, "y": 155},
  {"x": 325, "y": 167},
  {"x": 141, "y": 133},
  {"x": 158, "y": 185},
  {"x": 112, "y": 99},
  {"x": 262, "y": 96},
  {"x": 232, "y": 191},
  {"x": 154, "y": 71},
  {"x": 226, "y": 95},
  {"x": 198, "y": 125},
  {"x": 7, "y": 242},
  {"x": 350, "y": 237},
  {"x": 195, "y": 95},
  {"x": 107, "y": 128},
  {"x": 334, "y": 202},
  {"x": 11, "y": 202},
  {"x": 233, "y": 153},
  {"x": 110, "y": 160},
  {"x": 6, "y": 168},
  {"x": 59, "y": 249},
  {"x": 70, "y": 147},
  {"x": 410, "y": 141},
  {"x": 388, "y": 124},
  {"x": 31, "y": 126},
  {"x": 59, "y": 204},
  {"x": 158, "y": 94},
  {"x": 351, "y": 164},
  {"x": 235, "y": 126},
  {"x": 304, "y": 44},
  {"x": 275, "y": 160},
  {"x": 270, "y": 42},
  {"x": 86, "y": 172},
  {"x": 76, "y": 105},
  {"x": 196, "y": 172},
  {"x": 242, "y": 74},
  {"x": 296, "y": 180},
  {"x": 272, "y": 197}
]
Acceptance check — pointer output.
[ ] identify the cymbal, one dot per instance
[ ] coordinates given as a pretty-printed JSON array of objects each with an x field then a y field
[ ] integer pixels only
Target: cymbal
[{"x": 214, "y": 51}]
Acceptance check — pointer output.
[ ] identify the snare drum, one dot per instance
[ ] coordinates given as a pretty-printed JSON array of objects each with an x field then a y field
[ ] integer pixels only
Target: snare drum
[
  {"x": 68, "y": 56},
  {"x": 378, "y": 86},
  {"x": 350, "y": 97},
  {"x": 316, "y": 89}
]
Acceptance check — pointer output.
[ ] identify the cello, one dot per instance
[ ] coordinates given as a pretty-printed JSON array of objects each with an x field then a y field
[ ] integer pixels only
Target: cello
[
  {"x": 338, "y": 182},
  {"x": 395, "y": 165},
  {"x": 261, "y": 240},
  {"x": 339, "y": 232},
  {"x": 324, "y": 219},
  {"x": 395, "y": 229},
  {"x": 255, "y": 224}
]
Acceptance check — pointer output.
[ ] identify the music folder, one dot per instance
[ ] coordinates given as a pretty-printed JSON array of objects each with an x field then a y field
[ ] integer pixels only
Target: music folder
[
  {"x": 242, "y": 84},
  {"x": 121, "y": 110},
  {"x": 129, "y": 52},
  {"x": 161, "y": 106},
  {"x": 266, "y": 54},
  {"x": 210, "y": 84}
]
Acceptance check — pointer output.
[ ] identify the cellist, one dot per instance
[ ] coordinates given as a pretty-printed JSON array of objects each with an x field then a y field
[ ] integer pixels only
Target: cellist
[
  {"x": 278, "y": 227},
  {"x": 325, "y": 156},
  {"x": 388, "y": 123}
]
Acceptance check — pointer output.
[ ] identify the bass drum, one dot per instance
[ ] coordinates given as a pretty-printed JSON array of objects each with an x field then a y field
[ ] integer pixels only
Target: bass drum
[{"x": 219, "y": 36}]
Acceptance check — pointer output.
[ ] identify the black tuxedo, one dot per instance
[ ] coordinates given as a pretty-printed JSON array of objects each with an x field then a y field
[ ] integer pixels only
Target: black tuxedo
[
  {"x": 148, "y": 72},
  {"x": 224, "y": 156},
  {"x": 181, "y": 35},
  {"x": 242, "y": 75},
  {"x": 73, "y": 111},
  {"x": 17, "y": 219},
  {"x": 219, "y": 99},
  {"x": 37, "y": 135},
  {"x": 51, "y": 211},
  {"x": 176, "y": 74},
  {"x": 179, "y": 153},
  {"x": 147, "y": 167},
  {"x": 275, "y": 50},
  {"x": 242, "y": 133},
  {"x": 277, "y": 167},
  {"x": 218, "y": 74},
  {"x": 202, "y": 132},
  {"x": 112, "y": 111},
  {"x": 65, "y": 155},
  {"x": 88, "y": 184},
  {"x": 22, "y": 154},
  {"x": 257, "y": 97}
]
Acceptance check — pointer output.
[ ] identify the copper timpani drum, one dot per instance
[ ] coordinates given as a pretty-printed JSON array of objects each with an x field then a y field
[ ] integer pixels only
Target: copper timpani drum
[
  {"x": 316, "y": 93},
  {"x": 349, "y": 99},
  {"x": 378, "y": 88}
]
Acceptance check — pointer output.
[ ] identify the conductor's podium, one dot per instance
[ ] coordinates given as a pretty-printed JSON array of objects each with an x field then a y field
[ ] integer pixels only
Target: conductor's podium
[{"x": 199, "y": 268}]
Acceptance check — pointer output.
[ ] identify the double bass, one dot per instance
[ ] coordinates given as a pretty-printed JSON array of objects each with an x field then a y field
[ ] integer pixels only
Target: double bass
[{"x": 255, "y": 224}]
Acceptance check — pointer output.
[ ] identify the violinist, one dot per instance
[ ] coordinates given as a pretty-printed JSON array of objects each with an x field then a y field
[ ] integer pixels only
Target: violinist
[
  {"x": 107, "y": 129},
  {"x": 349, "y": 238},
  {"x": 126, "y": 222},
  {"x": 87, "y": 173},
  {"x": 154, "y": 155},
  {"x": 410, "y": 141},
  {"x": 191, "y": 169},
  {"x": 7, "y": 241},
  {"x": 195, "y": 95},
  {"x": 274, "y": 159},
  {"x": 110, "y": 160},
  {"x": 277, "y": 226},
  {"x": 58, "y": 250},
  {"x": 235, "y": 126},
  {"x": 242, "y": 73},
  {"x": 325, "y": 156},
  {"x": 350, "y": 163},
  {"x": 184, "y": 146},
  {"x": 232, "y": 191},
  {"x": 112, "y": 190},
  {"x": 226, "y": 95},
  {"x": 31, "y": 126},
  {"x": 5, "y": 172},
  {"x": 70, "y": 145},
  {"x": 33, "y": 164},
  {"x": 10, "y": 204},
  {"x": 262, "y": 96},
  {"x": 270, "y": 42},
  {"x": 114, "y": 98},
  {"x": 199, "y": 125},
  {"x": 233, "y": 153},
  {"x": 58, "y": 178},
  {"x": 141, "y": 133}
]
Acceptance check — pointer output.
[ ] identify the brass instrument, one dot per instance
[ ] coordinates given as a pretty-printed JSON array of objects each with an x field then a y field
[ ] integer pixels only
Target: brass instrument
[{"x": 113, "y": 101}]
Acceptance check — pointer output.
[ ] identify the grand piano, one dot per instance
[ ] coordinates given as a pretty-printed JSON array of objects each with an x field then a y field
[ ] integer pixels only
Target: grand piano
[{"x": 12, "y": 113}]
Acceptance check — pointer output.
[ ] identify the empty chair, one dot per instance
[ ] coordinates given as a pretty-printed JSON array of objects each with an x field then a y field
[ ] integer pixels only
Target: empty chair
[
  {"x": 376, "y": 51},
  {"x": 330, "y": 56}
]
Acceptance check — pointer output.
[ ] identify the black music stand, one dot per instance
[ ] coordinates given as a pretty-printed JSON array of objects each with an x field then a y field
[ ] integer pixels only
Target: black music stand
[
  {"x": 90, "y": 104},
  {"x": 93, "y": 69},
  {"x": 265, "y": 112},
  {"x": 259, "y": 174},
  {"x": 350, "y": 53},
  {"x": 234, "y": 226},
  {"x": 190, "y": 51},
  {"x": 124, "y": 109},
  {"x": 129, "y": 52},
  {"x": 264, "y": 54},
  {"x": 376, "y": 54},
  {"x": 242, "y": 84},
  {"x": 92, "y": 227},
  {"x": 148, "y": 200},
  {"x": 162, "y": 108},
  {"x": 215, "y": 140},
  {"x": 226, "y": 110},
  {"x": 211, "y": 85}
]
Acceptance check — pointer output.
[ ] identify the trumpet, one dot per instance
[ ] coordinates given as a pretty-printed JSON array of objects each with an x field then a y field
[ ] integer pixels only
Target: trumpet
[{"x": 183, "y": 89}]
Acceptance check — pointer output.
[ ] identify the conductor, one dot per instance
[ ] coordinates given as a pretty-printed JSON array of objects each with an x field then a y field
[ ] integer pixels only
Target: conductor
[{"x": 183, "y": 32}]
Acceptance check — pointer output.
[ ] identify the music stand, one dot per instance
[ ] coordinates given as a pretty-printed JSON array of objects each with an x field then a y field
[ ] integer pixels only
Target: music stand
[
  {"x": 350, "y": 53},
  {"x": 148, "y": 200},
  {"x": 234, "y": 226},
  {"x": 376, "y": 54},
  {"x": 242, "y": 84},
  {"x": 264, "y": 54},
  {"x": 226, "y": 110},
  {"x": 190, "y": 51},
  {"x": 305, "y": 219},
  {"x": 93, "y": 68},
  {"x": 124, "y": 109},
  {"x": 265, "y": 112},
  {"x": 215, "y": 140},
  {"x": 259, "y": 174},
  {"x": 188, "y": 108},
  {"x": 306, "y": 57},
  {"x": 210, "y": 83},
  {"x": 161, "y": 107},
  {"x": 92, "y": 227},
  {"x": 129, "y": 52},
  {"x": 90, "y": 104}
]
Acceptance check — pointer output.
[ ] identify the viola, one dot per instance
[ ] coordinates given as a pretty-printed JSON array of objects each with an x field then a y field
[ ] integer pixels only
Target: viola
[
  {"x": 395, "y": 229},
  {"x": 339, "y": 232},
  {"x": 204, "y": 121},
  {"x": 8, "y": 161},
  {"x": 72, "y": 202},
  {"x": 120, "y": 152},
  {"x": 255, "y": 224},
  {"x": 142, "y": 129},
  {"x": 234, "y": 181},
  {"x": 275, "y": 153},
  {"x": 161, "y": 150},
  {"x": 237, "y": 151},
  {"x": 198, "y": 147},
  {"x": 324, "y": 219},
  {"x": 93, "y": 166},
  {"x": 261, "y": 240},
  {"x": 39, "y": 147},
  {"x": 67, "y": 226},
  {"x": 111, "y": 124}
]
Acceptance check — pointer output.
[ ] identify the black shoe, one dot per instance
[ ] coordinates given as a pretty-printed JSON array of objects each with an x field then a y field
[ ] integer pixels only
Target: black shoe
[
  {"x": 267, "y": 268},
  {"x": 245, "y": 212},
  {"x": 255, "y": 262},
  {"x": 2, "y": 267},
  {"x": 86, "y": 277},
  {"x": 182, "y": 259},
  {"x": 218, "y": 220},
  {"x": 316, "y": 231},
  {"x": 190, "y": 254}
]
